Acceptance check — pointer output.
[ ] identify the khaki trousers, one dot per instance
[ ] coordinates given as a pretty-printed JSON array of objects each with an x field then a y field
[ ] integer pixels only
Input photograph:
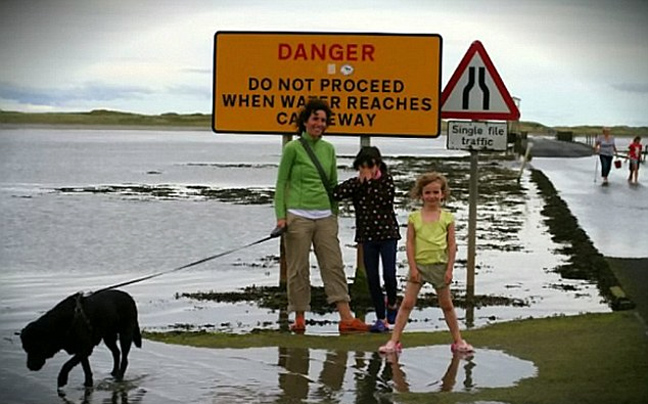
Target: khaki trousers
[{"x": 322, "y": 234}]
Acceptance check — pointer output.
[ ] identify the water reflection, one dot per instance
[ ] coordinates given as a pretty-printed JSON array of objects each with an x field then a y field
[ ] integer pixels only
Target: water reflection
[
  {"x": 448, "y": 380},
  {"x": 106, "y": 392},
  {"x": 367, "y": 377}
]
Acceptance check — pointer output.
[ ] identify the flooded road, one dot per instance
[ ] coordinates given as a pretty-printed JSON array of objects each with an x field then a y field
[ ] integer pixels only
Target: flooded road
[{"x": 615, "y": 217}]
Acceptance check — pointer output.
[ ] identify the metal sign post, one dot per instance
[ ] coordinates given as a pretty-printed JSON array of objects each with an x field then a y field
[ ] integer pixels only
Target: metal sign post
[
  {"x": 472, "y": 238},
  {"x": 360, "y": 278},
  {"x": 476, "y": 91},
  {"x": 474, "y": 136},
  {"x": 283, "y": 267}
]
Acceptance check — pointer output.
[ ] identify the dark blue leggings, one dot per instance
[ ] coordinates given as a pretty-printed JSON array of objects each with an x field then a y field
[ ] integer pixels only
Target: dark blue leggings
[
  {"x": 606, "y": 165},
  {"x": 373, "y": 251}
]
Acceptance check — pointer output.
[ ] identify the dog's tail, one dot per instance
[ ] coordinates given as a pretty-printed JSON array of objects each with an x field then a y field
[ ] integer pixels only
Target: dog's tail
[{"x": 137, "y": 336}]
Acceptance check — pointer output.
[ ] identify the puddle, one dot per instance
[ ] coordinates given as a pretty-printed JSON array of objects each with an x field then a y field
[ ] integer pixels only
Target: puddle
[
  {"x": 312, "y": 375},
  {"x": 330, "y": 375},
  {"x": 165, "y": 373}
]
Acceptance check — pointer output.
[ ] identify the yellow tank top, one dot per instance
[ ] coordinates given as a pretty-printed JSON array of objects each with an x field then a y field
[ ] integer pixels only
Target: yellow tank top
[{"x": 431, "y": 237}]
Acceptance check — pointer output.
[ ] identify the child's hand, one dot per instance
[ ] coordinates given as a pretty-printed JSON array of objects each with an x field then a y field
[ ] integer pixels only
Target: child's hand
[
  {"x": 448, "y": 277},
  {"x": 415, "y": 275},
  {"x": 364, "y": 174},
  {"x": 368, "y": 173}
]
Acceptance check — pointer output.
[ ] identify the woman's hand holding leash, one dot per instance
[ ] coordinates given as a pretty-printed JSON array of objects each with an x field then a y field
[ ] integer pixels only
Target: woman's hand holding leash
[{"x": 278, "y": 231}]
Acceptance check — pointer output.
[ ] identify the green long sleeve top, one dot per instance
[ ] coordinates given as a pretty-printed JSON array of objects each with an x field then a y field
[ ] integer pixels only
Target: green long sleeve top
[{"x": 299, "y": 185}]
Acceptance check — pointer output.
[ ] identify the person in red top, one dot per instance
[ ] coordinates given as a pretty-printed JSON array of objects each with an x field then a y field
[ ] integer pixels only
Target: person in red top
[{"x": 634, "y": 154}]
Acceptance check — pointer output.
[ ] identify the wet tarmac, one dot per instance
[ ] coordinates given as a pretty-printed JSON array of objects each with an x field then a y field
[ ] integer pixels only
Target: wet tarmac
[{"x": 614, "y": 216}]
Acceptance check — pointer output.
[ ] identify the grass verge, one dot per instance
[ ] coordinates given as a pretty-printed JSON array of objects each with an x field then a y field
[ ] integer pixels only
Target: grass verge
[{"x": 591, "y": 358}]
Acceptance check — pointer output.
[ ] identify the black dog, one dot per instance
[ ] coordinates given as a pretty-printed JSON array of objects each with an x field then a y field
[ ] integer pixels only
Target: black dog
[{"x": 78, "y": 324}]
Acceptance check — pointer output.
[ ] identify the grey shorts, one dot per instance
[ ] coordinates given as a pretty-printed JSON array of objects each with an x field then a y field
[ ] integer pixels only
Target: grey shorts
[{"x": 434, "y": 274}]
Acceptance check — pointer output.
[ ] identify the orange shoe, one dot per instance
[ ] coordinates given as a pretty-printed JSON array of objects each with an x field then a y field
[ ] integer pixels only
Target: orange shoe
[
  {"x": 353, "y": 325},
  {"x": 299, "y": 326}
]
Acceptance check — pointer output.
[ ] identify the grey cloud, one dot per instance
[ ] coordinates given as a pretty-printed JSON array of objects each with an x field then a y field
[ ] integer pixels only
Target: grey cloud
[
  {"x": 68, "y": 96},
  {"x": 196, "y": 70},
  {"x": 639, "y": 88},
  {"x": 200, "y": 91}
]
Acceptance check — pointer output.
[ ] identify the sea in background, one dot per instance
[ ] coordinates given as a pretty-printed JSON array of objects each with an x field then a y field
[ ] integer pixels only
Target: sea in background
[{"x": 82, "y": 209}]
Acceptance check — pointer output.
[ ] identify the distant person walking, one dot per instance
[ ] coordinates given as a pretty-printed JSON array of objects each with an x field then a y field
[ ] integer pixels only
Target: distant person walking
[
  {"x": 634, "y": 155},
  {"x": 431, "y": 250},
  {"x": 606, "y": 149},
  {"x": 372, "y": 193},
  {"x": 304, "y": 207}
]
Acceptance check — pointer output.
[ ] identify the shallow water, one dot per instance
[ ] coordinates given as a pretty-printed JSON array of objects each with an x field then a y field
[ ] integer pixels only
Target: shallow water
[
  {"x": 614, "y": 216},
  {"x": 61, "y": 233},
  {"x": 161, "y": 373}
]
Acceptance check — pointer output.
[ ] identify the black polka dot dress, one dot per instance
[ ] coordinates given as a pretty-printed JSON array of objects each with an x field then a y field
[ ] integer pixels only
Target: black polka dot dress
[{"x": 373, "y": 202}]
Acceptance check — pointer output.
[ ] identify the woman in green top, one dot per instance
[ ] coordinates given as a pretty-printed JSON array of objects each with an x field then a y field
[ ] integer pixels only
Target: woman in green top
[
  {"x": 431, "y": 249},
  {"x": 304, "y": 208}
]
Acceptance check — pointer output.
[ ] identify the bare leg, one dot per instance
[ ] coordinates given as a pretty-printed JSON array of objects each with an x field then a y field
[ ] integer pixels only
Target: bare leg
[
  {"x": 445, "y": 301},
  {"x": 407, "y": 305},
  {"x": 344, "y": 310}
]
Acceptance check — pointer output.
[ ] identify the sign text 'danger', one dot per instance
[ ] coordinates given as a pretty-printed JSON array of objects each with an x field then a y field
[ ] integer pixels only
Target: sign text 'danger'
[{"x": 352, "y": 52}]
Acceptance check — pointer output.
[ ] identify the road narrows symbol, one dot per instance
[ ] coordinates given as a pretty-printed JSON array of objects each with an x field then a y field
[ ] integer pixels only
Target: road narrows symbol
[
  {"x": 465, "y": 100},
  {"x": 476, "y": 91},
  {"x": 484, "y": 88}
]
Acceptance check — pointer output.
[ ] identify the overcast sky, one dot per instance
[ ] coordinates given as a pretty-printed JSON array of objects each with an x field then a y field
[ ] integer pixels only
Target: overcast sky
[{"x": 571, "y": 62}]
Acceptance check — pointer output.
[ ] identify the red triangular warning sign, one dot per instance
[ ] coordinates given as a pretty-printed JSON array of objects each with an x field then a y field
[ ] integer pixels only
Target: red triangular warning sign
[{"x": 476, "y": 91}]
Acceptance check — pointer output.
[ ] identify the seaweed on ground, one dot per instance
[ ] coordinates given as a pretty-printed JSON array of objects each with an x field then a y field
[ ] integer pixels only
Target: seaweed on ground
[
  {"x": 499, "y": 195},
  {"x": 274, "y": 298},
  {"x": 585, "y": 261}
]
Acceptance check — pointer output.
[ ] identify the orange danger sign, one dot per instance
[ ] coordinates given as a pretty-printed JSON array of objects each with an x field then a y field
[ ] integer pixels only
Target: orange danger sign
[{"x": 376, "y": 84}]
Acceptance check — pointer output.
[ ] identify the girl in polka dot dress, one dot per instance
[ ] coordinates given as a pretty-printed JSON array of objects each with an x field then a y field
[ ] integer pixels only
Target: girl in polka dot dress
[{"x": 372, "y": 193}]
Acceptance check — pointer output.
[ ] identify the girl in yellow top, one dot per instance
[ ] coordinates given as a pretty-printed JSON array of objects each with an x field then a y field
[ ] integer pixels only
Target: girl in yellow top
[{"x": 431, "y": 250}]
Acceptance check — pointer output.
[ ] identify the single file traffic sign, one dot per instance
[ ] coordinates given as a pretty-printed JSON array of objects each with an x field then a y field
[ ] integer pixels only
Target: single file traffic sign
[
  {"x": 468, "y": 135},
  {"x": 476, "y": 90}
]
